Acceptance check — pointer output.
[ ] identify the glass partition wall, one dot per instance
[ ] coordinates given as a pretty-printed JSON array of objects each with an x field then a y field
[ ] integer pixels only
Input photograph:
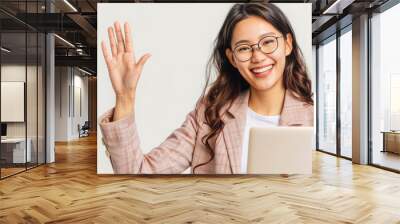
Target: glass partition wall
[
  {"x": 346, "y": 92},
  {"x": 326, "y": 91},
  {"x": 334, "y": 89},
  {"x": 385, "y": 90},
  {"x": 13, "y": 86},
  {"x": 334, "y": 84},
  {"x": 22, "y": 77}
]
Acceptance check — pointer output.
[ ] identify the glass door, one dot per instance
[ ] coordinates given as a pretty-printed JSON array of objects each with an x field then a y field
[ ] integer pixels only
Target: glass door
[
  {"x": 327, "y": 96},
  {"x": 346, "y": 92}
]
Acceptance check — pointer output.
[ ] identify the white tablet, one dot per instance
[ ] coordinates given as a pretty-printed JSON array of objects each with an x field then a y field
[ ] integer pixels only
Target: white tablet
[{"x": 280, "y": 150}]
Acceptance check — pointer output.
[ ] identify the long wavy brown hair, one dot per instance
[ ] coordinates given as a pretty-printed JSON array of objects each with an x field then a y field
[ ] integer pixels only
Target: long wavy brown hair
[{"x": 229, "y": 84}]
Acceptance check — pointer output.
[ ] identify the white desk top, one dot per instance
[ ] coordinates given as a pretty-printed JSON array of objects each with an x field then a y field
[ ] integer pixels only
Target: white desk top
[{"x": 13, "y": 140}]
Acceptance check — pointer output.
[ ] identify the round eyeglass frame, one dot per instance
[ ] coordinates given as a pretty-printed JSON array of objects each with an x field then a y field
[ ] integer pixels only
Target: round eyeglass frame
[{"x": 258, "y": 46}]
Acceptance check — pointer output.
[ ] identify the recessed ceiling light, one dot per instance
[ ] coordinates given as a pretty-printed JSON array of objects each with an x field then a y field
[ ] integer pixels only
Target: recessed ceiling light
[
  {"x": 337, "y": 7},
  {"x": 84, "y": 71},
  {"x": 70, "y": 5},
  {"x": 64, "y": 40},
  {"x": 5, "y": 50}
]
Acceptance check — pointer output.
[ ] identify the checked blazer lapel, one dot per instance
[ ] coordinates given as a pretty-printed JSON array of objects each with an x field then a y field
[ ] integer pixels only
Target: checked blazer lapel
[{"x": 233, "y": 131}]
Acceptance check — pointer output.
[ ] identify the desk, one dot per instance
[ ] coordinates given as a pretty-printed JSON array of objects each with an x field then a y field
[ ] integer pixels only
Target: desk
[
  {"x": 391, "y": 141},
  {"x": 15, "y": 148}
]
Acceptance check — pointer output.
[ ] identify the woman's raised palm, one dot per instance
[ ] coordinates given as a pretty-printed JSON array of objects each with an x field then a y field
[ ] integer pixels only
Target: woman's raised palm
[{"x": 122, "y": 67}]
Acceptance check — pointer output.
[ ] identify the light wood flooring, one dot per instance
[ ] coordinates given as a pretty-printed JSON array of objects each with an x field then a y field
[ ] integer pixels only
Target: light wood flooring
[
  {"x": 10, "y": 171},
  {"x": 70, "y": 191}
]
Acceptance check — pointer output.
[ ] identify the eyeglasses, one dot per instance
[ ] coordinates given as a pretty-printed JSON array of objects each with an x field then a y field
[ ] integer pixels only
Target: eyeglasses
[{"x": 267, "y": 45}]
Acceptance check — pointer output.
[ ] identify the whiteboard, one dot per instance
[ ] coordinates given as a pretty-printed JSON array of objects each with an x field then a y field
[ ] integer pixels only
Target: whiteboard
[{"x": 12, "y": 101}]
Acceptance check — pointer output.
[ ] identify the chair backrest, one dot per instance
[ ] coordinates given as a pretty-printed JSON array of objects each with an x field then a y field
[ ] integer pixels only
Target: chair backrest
[{"x": 86, "y": 125}]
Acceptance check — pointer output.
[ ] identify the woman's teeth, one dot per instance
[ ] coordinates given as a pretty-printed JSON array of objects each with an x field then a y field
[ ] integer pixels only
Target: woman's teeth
[{"x": 263, "y": 69}]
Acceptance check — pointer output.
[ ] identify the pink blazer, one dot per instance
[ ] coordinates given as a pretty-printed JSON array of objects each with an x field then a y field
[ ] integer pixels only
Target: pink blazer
[{"x": 183, "y": 148}]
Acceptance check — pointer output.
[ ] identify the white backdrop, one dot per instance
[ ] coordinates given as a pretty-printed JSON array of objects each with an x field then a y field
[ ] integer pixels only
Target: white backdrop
[{"x": 179, "y": 37}]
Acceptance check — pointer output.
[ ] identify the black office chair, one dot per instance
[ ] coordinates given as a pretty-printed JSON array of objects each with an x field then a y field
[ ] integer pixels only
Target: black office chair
[{"x": 84, "y": 130}]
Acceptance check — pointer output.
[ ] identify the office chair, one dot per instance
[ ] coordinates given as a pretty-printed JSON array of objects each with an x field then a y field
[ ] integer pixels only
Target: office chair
[{"x": 84, "y": 130}]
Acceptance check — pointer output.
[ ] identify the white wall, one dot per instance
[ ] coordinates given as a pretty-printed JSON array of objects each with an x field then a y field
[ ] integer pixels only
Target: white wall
[
  {"x": 80, "y": 102},
  {"x": 61, "y": 103},
  {"x": 179, "y": 37},
  {"x": 68, "y": 81}
]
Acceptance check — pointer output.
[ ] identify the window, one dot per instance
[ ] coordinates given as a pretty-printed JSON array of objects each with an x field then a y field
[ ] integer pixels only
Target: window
[
  {"x": 327, "y": 96},
  {"x": 385, "y": 89},
  {"x": 346, "y": 93}
]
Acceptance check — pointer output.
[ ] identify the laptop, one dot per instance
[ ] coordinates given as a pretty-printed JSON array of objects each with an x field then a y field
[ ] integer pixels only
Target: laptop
[{"x": 280, "y": 150}]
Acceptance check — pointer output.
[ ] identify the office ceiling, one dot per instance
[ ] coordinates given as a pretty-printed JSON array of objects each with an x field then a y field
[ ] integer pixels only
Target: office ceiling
[{"x": 77, "y": 23}]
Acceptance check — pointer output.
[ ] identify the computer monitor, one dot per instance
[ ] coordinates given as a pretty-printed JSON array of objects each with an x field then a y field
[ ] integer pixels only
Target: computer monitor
[{"x": 3, "y": 129}]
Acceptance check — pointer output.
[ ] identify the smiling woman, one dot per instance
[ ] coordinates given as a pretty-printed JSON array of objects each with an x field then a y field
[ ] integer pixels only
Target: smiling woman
[{"x": 261, "y": 80}]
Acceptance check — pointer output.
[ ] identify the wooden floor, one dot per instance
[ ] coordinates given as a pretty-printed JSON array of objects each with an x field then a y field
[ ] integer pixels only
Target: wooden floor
[
  {"x": 8, "y": 171},
  {"x": 5, "y": 172},
  {"x": 70, "y": 191}
]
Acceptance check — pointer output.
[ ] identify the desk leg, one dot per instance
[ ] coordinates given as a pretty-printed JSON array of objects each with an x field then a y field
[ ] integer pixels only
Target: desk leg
[{"x": 384, "y": 142}]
